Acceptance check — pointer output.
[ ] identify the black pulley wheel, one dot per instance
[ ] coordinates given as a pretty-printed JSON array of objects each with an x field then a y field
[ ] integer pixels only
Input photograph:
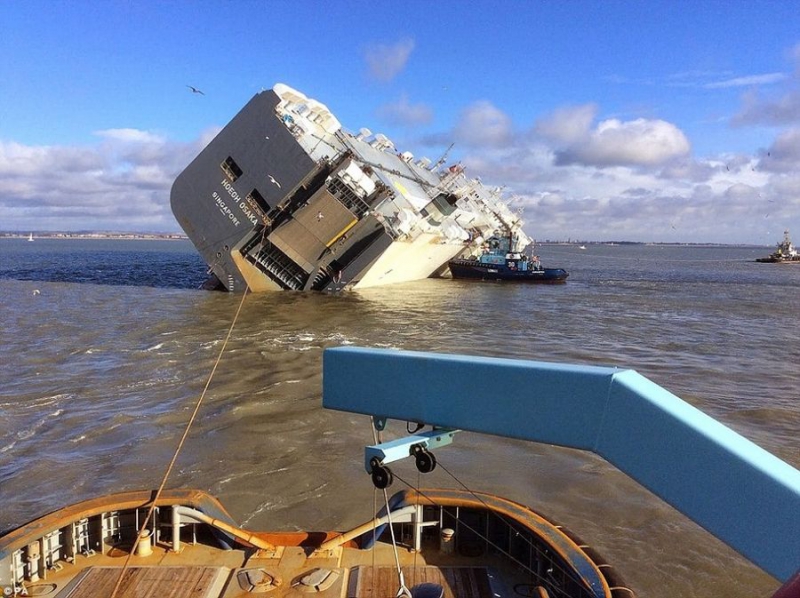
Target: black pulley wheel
[
  {"x": 382, "y": 477},
  {"x": 426, "y": 462}
]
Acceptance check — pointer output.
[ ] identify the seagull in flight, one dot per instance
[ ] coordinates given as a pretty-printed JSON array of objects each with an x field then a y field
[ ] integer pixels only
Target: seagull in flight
[
  {"x": 195, "y": 90},
  {"x": 272, "y": 179}
]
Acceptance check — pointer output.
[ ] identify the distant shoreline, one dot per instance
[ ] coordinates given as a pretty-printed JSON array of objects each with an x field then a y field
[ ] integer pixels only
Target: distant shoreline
[
  {"x": 97, "y": 235},
  {"x": 650, "y": 244},
  {"x": 183, "y": 237}
]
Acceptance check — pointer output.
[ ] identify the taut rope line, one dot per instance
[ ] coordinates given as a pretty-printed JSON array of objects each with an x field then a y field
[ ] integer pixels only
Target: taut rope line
[{"x": 178, "y": 449}]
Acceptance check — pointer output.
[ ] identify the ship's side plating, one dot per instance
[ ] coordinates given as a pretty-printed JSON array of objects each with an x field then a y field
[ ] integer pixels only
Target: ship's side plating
[
  {"x": 282, "y": 198},
  {"x": 262, "y": 212}
]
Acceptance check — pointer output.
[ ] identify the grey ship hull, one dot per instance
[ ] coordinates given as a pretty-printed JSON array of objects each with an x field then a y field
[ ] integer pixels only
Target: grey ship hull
[{"x": 251, "y": 201}]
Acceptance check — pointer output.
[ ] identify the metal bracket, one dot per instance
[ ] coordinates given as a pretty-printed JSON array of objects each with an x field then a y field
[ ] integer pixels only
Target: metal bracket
[{"x": 394, "y": 450}]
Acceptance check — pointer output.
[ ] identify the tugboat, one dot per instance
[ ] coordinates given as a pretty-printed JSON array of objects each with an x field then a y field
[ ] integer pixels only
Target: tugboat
[
  {"x": 501, "y": 259},
  {"x": 785, "y": 253}
]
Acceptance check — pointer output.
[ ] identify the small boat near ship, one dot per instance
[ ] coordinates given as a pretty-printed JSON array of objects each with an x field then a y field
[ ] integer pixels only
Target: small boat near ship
[
  {"x": 284, "y": 198},
  {"x": 429, "y": 543},
  {"x": 785, "y": 253},
  {"x": 500, "y": 259}
]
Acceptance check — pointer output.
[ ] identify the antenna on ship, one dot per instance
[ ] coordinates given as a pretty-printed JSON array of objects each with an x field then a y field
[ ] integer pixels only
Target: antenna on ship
[{"x": 442, "y": 160}]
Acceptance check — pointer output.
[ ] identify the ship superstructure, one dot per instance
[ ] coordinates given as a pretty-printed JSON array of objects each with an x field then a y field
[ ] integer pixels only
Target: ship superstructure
[
  {"x": 785, "y": 253},
  {"x": 283, "y": 198}
]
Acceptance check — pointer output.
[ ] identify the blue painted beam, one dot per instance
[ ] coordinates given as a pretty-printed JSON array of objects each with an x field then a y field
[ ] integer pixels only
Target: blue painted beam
[{"x": 739, "y": 492}]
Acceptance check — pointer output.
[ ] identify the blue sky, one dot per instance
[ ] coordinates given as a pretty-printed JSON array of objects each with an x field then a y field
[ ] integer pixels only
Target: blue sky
[{"x": 643, "y": 121}]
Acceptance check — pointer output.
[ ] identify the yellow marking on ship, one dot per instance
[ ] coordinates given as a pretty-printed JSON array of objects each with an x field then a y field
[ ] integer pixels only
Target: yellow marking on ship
[
  {"x": 399, "y": 187},
  {"x": 338, "y": 235}
]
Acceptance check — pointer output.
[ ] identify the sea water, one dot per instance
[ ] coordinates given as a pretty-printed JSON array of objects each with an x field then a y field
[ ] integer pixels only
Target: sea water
[{"x": 106, "y": 346}]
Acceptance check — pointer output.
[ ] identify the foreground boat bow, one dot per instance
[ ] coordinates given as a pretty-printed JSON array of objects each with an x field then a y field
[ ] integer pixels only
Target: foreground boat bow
[{"x": 452, "y": 543}]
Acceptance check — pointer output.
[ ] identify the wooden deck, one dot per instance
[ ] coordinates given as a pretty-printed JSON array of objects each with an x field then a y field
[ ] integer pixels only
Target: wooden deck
[
  {"x": 149, "y": 582},
  {"x": 457, "y": 582}
]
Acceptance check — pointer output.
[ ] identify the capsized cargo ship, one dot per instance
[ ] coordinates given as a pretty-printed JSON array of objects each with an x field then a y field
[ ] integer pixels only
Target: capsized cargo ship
[{"x": 284, "y": 198}]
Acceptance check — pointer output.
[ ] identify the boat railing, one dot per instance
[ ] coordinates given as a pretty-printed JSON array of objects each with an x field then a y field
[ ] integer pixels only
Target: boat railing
[{"x": 738, "y": 491}]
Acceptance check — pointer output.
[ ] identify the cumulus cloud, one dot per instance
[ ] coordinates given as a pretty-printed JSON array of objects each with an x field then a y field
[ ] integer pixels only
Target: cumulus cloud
[
  {"x": 639, "y": 142},
  {"x": 567, "y": 125},
  {"x": 688, "y": 169},
  {"x": 773, "y": 112},
  {"x": 385, "y": 62},
  {"x": 784, "y": 153},
  {"x": 404, "y": 113},
  {"x": 630, "y": 180},
  {"x": 121, "y": 183},
  {"x": 482, "y": 123},
  {"x": 570, "y": 131}
]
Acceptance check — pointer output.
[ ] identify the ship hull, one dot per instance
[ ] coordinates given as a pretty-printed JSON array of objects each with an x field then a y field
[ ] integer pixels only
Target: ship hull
[{"x": 258, "y": 209}]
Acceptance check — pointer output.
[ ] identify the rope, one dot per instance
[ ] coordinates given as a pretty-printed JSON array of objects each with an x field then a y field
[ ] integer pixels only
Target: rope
[
  {"x": 374, "y": 505},
  {"x": 416, "y": 548},
  {"x": 403, "y": 590},
  {"x": 178, "y": 449}
]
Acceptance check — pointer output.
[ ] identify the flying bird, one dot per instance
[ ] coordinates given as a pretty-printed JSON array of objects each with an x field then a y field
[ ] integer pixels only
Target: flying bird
[
  {"x": 195, "y": 90},
  {"x": 272, "y": 179}
]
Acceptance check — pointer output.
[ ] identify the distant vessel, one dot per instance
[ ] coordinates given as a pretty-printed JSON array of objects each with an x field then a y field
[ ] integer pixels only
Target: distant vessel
[
  {"x": 283, "y": 198},
  {"x": 501, "y": 259},
  {"x": 30, "y": 237},
  {"x": 786, "y": 252}
]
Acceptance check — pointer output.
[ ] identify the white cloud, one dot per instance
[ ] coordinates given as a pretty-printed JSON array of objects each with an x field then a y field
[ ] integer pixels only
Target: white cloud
[
  {"x": 640, "y": 142},
  {"x": 757, "y": 111},
  {"x": 747, "y": 81},
  {"x": 404, "y": 113},
  {"x": 385, "y": 62},
  {"x": 567, "y": 125},
  {"x": 784, "y": 153},
  {"x": 482, "y": 123},
  {"x": 129, "y": 136},
  {"x": 629, "y": 180},
  {"x": 121, "y": 183},
  {"x": 612, "y": 142},
  {"x": 689, "y": 170}
]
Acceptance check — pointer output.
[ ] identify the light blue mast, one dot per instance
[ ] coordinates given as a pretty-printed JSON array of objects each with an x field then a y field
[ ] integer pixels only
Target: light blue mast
[{"x": 739, "y": 492}]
